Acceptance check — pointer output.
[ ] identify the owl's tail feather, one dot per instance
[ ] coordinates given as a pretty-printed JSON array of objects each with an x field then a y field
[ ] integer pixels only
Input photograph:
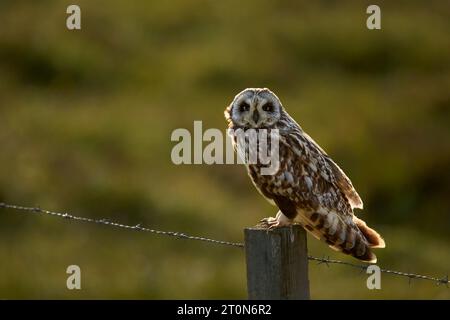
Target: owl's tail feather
[
  {"x": 373, "y": 237},
  {"x": 355, "y": 244},
  {"x": 368, "y": 256},
  {"x": 350, "y": 237}
]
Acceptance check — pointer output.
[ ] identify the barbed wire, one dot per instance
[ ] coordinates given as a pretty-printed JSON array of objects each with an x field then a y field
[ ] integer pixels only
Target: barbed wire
[
  {"x": 107, "y": 222},
  {"x": 327, "y": 261},
  {"x": 180, "y": 235}
]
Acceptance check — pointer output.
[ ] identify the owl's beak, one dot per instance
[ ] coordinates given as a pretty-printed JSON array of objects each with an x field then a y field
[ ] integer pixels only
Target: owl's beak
[{"x": 255, "y": 116}]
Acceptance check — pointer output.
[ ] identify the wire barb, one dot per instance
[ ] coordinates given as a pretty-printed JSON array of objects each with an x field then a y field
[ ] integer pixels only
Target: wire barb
[{"x": 180, "y": 235}]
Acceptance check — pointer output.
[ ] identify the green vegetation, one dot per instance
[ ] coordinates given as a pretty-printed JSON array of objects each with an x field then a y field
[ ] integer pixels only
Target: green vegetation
[{"x": 86, "y": 118}]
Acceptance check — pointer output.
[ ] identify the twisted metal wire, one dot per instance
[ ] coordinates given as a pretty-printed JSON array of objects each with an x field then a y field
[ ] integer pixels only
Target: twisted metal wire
[
  {"x": 327, "y": 261},
  {"x": 138, "y": 227},
  {"x": 180, "y": 235}
]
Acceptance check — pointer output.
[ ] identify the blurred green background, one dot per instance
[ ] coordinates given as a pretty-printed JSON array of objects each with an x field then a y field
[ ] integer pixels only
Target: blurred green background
[{"x": 86, "y": 118}]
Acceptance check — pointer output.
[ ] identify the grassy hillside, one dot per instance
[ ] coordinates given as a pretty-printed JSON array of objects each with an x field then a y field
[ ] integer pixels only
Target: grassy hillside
[{"x": 86, "y": 118}]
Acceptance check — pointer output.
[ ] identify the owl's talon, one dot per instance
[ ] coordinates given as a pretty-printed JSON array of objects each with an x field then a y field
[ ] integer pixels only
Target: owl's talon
[
  {"x": 273, "y": 226},
  {"x": 273, "y": 223},
  {"x": 269, "y": 220}
]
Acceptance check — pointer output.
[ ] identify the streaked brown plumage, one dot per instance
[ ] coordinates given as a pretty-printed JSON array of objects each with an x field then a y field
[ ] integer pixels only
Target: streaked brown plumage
[{"x": 308, "y": 188}]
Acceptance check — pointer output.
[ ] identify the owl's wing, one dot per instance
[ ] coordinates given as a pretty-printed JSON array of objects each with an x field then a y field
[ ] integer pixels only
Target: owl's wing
[
  {"x": 345, "y": 184},
  {"x": 316, "y": 177},
  {"x": 323, "y": 167},
  {"x": 336, "y": 175}
]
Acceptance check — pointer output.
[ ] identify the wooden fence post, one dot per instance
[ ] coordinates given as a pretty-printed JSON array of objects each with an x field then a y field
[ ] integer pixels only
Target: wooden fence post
[{"x": 277, "y": 263}]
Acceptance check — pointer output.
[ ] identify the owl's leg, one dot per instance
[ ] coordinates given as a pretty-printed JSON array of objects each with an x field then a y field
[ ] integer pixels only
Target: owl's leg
[{"x": 280, "y": 220}]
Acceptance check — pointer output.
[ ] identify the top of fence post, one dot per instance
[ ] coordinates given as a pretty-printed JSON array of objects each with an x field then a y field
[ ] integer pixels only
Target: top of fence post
[{"x": 277, "y": 263}]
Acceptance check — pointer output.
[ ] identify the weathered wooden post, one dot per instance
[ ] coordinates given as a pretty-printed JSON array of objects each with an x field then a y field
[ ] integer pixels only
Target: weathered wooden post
[{"x": 277, "y": 263}]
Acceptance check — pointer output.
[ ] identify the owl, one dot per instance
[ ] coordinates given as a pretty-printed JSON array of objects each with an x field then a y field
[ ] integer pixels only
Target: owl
[{"x": 308, "y": 188}]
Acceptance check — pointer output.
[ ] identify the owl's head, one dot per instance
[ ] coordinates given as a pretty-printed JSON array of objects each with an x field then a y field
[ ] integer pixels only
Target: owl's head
[{"x": 254, "y": 108}]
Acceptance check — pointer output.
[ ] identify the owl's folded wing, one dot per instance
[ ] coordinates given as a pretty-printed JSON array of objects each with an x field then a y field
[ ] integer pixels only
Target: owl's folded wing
[{"x": 317, "y": 176}]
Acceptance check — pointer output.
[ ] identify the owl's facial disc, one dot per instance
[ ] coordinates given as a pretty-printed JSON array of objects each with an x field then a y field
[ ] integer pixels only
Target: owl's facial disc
[{"x": 255, "y": 108}]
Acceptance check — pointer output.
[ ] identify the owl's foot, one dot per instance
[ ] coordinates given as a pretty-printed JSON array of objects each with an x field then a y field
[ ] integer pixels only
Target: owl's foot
[
  {"x": 279, "y": 221},
  {"x": 269, "y": 222}
]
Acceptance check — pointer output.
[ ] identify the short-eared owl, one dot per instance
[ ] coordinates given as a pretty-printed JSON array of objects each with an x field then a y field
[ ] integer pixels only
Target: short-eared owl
[{"x": 308, "y": 188}]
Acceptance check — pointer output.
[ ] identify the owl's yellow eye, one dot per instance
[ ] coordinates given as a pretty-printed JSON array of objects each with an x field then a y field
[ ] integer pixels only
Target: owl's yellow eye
[
  {"x": 268, "y": 107},
  {"x": 244, "y": 107}
]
